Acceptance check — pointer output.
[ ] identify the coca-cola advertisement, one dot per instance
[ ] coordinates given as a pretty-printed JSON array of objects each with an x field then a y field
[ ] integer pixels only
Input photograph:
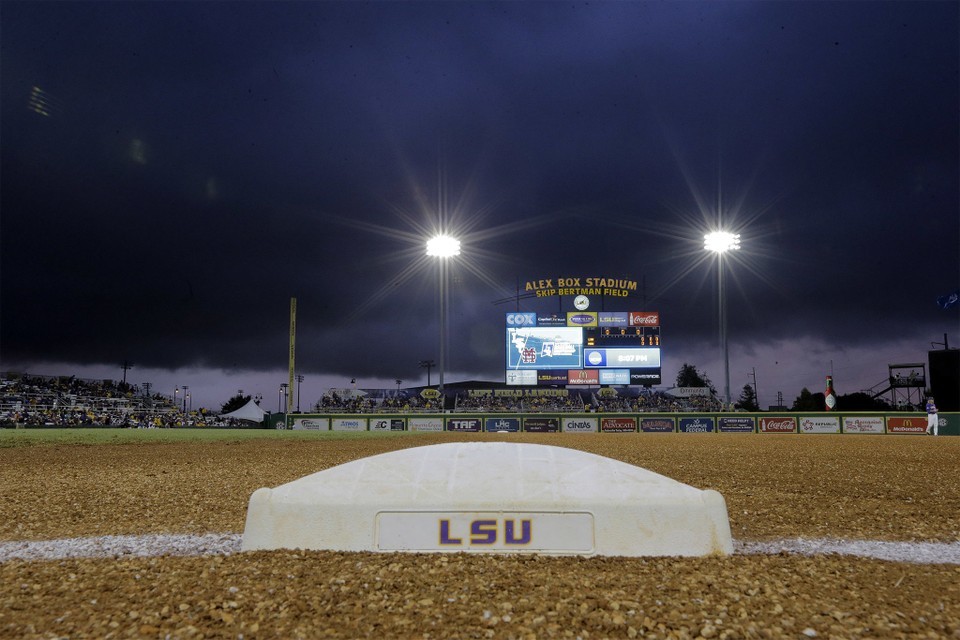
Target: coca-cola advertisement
[
  {"x": 778, "y": 424},
  {"x": 644, "y": 318}
]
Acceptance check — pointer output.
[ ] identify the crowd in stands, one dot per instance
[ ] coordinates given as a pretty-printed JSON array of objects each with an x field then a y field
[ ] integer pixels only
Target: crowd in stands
[
  {"x": 68, "y": 401},
  {"x": 334, "y": 402}
]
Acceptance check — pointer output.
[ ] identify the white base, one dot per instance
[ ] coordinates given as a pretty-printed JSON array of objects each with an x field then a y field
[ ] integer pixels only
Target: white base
[{"x": 494, "y": 497}]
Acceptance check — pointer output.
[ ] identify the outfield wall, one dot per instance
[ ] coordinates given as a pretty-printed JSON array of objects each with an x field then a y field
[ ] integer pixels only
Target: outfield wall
[{"x": 760, "y": 423}]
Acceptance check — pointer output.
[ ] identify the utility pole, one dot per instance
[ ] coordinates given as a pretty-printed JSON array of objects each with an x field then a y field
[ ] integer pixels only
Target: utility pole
[
  {"x": 428, "y": 364},
  {"x": 756, "y": 391},
  {"x": 126, "y": 366}
]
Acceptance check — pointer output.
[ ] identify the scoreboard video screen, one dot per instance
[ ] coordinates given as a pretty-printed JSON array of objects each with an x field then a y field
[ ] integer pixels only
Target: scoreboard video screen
[{"x": 583, "y": 348}]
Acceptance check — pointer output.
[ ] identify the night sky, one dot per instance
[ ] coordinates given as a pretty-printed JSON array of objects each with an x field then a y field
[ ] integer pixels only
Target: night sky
[{"x": 173, "y": 173}]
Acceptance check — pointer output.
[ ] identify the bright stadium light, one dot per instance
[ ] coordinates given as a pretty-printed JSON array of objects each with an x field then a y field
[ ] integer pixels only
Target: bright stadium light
[
  {"x": 442, "y": 247},
  {"x": 720, "y": 242}
]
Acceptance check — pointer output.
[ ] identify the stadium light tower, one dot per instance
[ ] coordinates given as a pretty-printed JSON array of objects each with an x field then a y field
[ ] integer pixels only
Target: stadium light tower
[
  {"x": 720, "y": 242},
  {"x": 443, "y": 247}
]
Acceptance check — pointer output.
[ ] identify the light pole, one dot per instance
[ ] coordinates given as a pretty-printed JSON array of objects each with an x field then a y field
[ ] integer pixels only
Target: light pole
[
  {"x": 283, "y": 393},
  {"x": 428, "y": 364},
  {"x": 720, "y": 242},
  {"x": 185, "y": 396},
  {"x": 176, "y": 392},
  {"x": 443, "y": 247},
  {"x": 299, "y": 380},
  {"x": 399, "y": 382}
]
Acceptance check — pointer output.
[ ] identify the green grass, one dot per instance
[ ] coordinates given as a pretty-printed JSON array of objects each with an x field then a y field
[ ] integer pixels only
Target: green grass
[{"x": 34, "y": 437}]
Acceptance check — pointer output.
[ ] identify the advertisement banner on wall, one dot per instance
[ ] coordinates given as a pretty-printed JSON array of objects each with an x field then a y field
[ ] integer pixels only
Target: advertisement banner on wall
[
  {"x": 778, "y": 424},
  {"x": 612, "y": 318},
  {"x": 349, "y": 424},
  {"x": 519, "y": 319},
  {"x": 425, "y": 424},
  {"x": 541, "y": 425},
  {"x": 658, "y": 425},
  {"x": 863, "y": 424},
  {"x": 736, "y": 425},
  {"x": 521, "y": 377},
  {"x": 551, "y": 377},
  {"x": 463, "y": 424},
  {"x": 581, "y": 319},
  {"x": 819, "y": 424},
  {"x": 645, "y": 377},
  {"x": 311, "y": 424},
  {"x": 551, "y": 320},
  {"x": 583, "y": 377},
  {"x": 618, "y": 425},
  {"x": 614, "y": 376},
  {"x": 701, "y": 424},
  {"x": 502, "y": 424},
  {"x": 387, "y": 424},
  {"x": 580, "y": 425},
  {"x": 913, "y": 424}
]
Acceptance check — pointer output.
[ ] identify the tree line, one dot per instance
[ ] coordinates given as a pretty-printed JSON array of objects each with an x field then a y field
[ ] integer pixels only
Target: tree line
[{"x": 690, "y": 376}]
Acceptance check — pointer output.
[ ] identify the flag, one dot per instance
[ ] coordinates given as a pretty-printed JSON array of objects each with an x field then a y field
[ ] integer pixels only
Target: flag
[{"x": 950, "y": 300}]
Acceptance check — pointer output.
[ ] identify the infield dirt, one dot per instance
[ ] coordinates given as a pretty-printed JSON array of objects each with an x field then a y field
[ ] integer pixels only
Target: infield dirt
[{"x": 897, "y": 488}]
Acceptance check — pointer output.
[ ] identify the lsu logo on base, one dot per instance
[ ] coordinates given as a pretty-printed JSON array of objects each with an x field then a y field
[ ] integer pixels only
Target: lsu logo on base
[{"x": 487, "y": 533}]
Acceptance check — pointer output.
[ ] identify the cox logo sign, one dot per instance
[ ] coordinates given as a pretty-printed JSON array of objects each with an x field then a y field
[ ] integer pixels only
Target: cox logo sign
[{"x": 521, "y": 319}]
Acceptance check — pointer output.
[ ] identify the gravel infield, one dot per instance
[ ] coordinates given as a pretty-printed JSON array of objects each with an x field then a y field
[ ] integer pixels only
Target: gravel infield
[{"x": 837, "y": 537}]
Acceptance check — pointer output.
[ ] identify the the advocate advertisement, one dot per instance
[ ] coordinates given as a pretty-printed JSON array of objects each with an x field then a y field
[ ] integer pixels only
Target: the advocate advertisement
[
  {"x": 349, "y": 424},
  {"x": 702, "y": 424},
  {"x": 907, "y": 425},
  {"x": 580, "y": 425},
  {"x": 387, "y": 424},
  {"x": 463, "y": 424},
  {"x": 502, "y": 424},
  {"x": 777, "y": 424},
  {"x": 618, "y": 425},
  {"x": 658, "y": 425},
  {"x": 819, "y": 424},
  {"x": 863, "y": 424},
  {"x": 736, "y": 425},
  {"x": 425, "y": 424},
  {"x": 541, "y": 425}
]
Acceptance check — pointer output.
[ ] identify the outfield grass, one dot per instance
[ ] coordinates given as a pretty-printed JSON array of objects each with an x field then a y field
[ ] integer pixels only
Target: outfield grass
[{"x": 33, "y": 437}]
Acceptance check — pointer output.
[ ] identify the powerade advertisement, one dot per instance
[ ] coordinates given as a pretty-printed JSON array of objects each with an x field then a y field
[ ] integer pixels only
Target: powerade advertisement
[
  {"x": 544, "y": 348},
  {"x": 696, "y": 425}
]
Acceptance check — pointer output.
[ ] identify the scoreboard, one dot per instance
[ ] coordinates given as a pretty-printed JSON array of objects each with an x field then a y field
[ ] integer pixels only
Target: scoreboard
[{"x": 583, "y": 348}]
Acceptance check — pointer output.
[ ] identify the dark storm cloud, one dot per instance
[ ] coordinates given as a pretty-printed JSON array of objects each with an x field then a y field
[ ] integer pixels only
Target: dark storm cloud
[{"x": 201, "y": 163}]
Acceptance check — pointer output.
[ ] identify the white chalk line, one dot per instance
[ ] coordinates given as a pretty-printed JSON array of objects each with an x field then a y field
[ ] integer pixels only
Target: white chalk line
[{"x": 211, "y": 544}]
